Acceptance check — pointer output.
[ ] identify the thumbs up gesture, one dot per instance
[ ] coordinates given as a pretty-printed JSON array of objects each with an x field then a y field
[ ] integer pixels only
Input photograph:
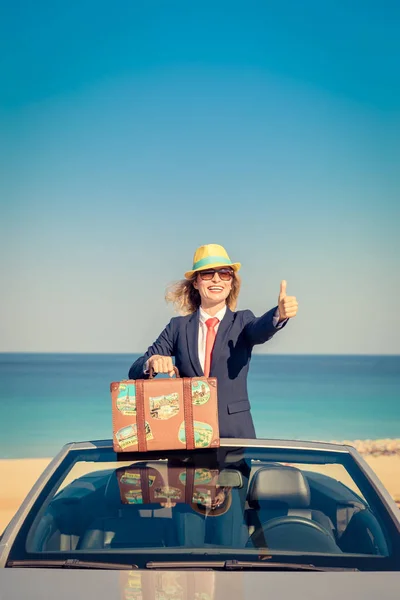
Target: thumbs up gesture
[{"x": 287, "y": 305}]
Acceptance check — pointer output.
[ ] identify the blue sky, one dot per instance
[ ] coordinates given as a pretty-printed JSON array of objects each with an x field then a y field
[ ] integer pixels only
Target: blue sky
[{"x": 134, "y": 132}]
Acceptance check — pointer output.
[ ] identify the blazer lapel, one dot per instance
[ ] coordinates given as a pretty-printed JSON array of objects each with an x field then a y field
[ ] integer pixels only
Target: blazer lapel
[
  {"x": 192, "y": 334},
  {"x": 220, "y": 340}
]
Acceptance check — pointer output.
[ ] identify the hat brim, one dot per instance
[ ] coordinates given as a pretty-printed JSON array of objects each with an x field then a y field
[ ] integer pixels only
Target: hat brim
[{"x": 234, "y": 266}]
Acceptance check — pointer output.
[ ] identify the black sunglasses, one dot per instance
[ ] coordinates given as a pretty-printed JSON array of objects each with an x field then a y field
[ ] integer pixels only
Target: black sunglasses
[{"x": 225, "y": 274}]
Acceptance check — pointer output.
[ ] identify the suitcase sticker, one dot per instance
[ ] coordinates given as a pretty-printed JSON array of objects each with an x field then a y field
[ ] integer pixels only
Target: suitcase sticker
[
  {"x": 203, "y": 434},
  {"x": 127, "y": 436},
  {"x": 201, "y": 392},
  {"x": 126, "y": 399},
  {"x": 164, "y": 407}
]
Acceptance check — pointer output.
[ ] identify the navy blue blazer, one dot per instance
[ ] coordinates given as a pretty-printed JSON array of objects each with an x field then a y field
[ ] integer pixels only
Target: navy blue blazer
[{"x": 237, "y": 333}]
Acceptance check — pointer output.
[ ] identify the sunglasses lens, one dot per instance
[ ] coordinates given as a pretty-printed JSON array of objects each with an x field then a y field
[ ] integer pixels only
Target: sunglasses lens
[
  {"x": 224, "y": 274},
  {"x": 207, "y": 274}
]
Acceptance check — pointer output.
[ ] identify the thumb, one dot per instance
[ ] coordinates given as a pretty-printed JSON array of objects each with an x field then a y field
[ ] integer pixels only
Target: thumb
[{"x": 282, "y": 292}]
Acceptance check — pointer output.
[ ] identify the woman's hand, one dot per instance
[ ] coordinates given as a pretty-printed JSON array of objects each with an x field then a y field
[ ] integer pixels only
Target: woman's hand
[
  {"x": 287, "y": 305},
  {"x": 161, "y": 364}
]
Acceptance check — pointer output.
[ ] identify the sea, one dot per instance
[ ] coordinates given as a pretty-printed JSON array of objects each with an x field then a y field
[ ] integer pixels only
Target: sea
[{"x": 48, "y": 400}]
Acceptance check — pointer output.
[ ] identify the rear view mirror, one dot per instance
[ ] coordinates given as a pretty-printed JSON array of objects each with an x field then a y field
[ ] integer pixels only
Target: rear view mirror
[{"x": 230, "y": 478}]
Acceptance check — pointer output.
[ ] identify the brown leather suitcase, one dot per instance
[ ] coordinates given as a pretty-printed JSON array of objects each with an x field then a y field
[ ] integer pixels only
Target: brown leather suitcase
[{"x": 164, "y": 414}]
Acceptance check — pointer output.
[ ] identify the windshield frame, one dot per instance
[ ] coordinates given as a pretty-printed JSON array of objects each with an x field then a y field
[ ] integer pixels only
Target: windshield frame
[{"x": 64, "y": 462}]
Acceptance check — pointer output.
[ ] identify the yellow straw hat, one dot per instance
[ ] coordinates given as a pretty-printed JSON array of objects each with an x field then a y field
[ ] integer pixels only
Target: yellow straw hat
[{"x": 210, "y": 256}]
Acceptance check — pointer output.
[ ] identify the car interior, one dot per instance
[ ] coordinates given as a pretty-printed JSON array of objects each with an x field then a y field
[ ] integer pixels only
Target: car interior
[{"x": 273, "y": 506}]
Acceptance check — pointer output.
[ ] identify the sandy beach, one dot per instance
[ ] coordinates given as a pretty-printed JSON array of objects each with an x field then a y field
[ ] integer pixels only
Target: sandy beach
[{"x": 19, "y": 475}]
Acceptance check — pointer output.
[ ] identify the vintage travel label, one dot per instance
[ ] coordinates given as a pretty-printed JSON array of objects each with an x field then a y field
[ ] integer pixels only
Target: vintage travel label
[
  {"x": 203, "y": 434},
  {"x": 164, "y": 407},
  {"x": 167, "y": 492},
  {"x": 126, "y": 399},
  {"x": 133, "y": 497},
  {"x": 200, "y": 392},
  {"x": 133, "y": 479},
  {"x": 133, "y": 587},
  {"x": 168, "y": 587},
  {"x": 201, "y": 476},
  {"x": 202, "y": 496},
  {"x": 127, "y": 436}
]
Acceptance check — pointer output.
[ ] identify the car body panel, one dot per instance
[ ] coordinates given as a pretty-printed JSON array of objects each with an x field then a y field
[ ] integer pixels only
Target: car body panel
[{"x": 43, "y": 584}]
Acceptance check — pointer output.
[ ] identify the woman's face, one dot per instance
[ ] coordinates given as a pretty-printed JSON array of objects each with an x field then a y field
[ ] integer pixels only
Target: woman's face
[{"x": 213, "y": 290}]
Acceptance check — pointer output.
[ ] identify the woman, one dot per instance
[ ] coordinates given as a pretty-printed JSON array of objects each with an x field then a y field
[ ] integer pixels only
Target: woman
[{"x": 213, "y": 339}]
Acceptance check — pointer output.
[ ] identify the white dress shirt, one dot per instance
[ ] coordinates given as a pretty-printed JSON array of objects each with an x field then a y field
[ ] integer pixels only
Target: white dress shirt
[{"x": 203, "y": 316}]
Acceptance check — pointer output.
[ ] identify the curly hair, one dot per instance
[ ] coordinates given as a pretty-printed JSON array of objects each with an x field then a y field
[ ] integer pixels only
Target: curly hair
[{"x": 186, "y": 299}]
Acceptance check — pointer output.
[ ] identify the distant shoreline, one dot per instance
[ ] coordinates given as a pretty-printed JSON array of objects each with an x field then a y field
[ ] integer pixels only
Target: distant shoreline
[
  {"x": 367, "y": 448},
  {"x": 378, "y": 447}
]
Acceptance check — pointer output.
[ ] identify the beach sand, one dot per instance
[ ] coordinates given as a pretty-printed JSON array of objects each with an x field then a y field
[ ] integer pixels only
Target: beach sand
[{"x": 19, "y": 475}]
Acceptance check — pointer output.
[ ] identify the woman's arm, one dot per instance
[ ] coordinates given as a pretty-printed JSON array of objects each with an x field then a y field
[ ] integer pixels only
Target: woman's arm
[
  {"x": 259, "y": 330},
  {"x": 164, "y": 346}
]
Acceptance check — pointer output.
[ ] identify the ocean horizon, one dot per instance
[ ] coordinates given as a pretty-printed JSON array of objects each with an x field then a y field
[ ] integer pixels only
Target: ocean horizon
[{"x": 49, "y": 399}]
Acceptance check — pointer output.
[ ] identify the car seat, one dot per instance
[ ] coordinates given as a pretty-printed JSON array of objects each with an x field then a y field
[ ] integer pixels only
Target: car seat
[
  {"x": 363, "y": 535},
  {"x": 280, "y": 515}
]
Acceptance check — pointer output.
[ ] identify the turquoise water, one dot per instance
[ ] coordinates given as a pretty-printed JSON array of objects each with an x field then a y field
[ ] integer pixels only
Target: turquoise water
[{"x": 49, "y": 400}]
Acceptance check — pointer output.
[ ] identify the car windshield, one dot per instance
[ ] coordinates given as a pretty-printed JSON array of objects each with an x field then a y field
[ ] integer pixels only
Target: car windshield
[{"x": 228, "y": 502}]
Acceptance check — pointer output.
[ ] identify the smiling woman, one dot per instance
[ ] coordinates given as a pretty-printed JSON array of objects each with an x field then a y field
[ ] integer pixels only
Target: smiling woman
[{"x": 211, "y": 338}]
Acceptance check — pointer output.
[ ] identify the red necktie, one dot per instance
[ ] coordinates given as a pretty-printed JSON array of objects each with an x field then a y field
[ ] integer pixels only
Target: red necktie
[{"x": 210, "y": 339}]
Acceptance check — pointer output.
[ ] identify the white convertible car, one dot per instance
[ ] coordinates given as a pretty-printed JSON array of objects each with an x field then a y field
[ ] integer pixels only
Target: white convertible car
[{"x": 251, "y": 519}]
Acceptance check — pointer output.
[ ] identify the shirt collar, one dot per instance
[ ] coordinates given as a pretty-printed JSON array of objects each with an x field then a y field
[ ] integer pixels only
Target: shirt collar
[{"x": 204, "y": 316}]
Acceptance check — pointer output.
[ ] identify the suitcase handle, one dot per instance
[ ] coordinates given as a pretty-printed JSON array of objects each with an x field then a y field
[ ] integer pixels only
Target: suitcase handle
[{"x": 151, "y": 372}]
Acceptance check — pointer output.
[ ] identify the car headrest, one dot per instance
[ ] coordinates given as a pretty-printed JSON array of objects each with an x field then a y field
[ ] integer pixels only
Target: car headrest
[{"x": 279, "y": 485}]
